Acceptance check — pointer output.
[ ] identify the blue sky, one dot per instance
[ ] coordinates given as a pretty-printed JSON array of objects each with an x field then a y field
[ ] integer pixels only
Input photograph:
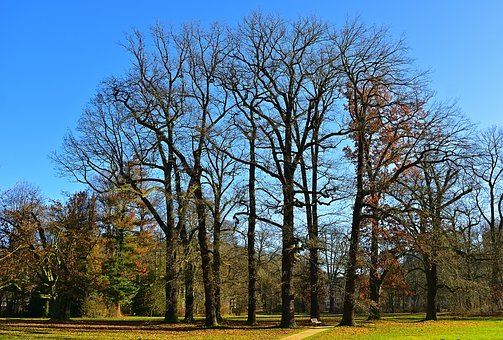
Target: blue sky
[{"x": 53, "y": 54}]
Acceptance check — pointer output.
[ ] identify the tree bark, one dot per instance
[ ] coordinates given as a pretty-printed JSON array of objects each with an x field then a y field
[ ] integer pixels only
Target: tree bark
[
  {"x": 209, "y": 292},
  {"x": 374, "y": 279},
  {"x": 118, "y": 310},
  {"x": 252, "y": 262},
  {"x": 189, "y": 292},
  {"x": 171, "y": 286},
  {"x": 189, "y": 268},
  {"x": 311, "y": 204},
  {"x": 287, "y": 233},
  {"x": 332, "y": 308},
  {"x": 350, "y": 287},
  {"x": 313, "y": 233},
  {"x": 287, "y": 262},
  {"x": 431, "y": 290},
  {"x": 188, "y": 276},
  {"x": 216, "y": 264},
  {"x": 59, "y": 309},
  {"x": 171, "y": 314}
]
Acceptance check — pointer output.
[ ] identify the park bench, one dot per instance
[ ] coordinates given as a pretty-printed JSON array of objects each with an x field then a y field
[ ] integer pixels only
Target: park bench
[{"x": 315, "y": 321}]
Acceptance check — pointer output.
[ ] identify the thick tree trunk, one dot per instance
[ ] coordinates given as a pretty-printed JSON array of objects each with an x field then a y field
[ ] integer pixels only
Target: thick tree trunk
[
  {"x": 171, "y": 314},
  {"x": 188, "y": 275},
  {"x": 311, "y": 203},
  {"x": 45, "y": 313},
  {"x": 374, "y": 279},
  {"x": 209, "y": 292},
  {"x": 59, "y": 309},
  {"x": 287, "y": 232},
  {"x": 117, "y": 310},
  {"x": 332, "y": 307},
  {"x": 189, "y": 268},
  {"x": 252, "y": 262},
  {"x": 288, "y": 253},
  {"x": 216, "y": 266},
  {"x": 431, "y": 291},
  {"x": 375, "y": 296},
  {"x": 313, "y": 232},
  {"x": 171, "y": 234},
  {"x": 350, "y": 286}
]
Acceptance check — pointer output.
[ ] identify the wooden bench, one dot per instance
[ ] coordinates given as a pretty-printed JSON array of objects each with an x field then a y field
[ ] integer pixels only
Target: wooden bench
[{"x": 315, "y": 321}]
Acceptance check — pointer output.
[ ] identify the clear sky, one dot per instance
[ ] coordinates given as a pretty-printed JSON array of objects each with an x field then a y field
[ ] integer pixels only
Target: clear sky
[{"x": 53, "y": 54}]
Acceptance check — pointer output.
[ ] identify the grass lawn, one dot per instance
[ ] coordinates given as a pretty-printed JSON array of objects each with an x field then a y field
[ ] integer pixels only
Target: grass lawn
[
  {"x": 140, "y": 328},
  {"x": 398, "y": 326},
  {"x": 412, "y": 327}
]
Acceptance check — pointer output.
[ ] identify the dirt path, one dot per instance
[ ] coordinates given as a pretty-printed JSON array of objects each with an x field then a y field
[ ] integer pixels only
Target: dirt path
[{"x": 307, "y": 333}]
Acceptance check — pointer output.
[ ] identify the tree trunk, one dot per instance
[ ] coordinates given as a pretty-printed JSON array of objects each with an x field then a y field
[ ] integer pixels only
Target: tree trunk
[
  {"x": 311, "y": 203},
  {"x": 59, "y": 309},
  {"x": 332, "y": 308},
  {"x": 117, "y": 310},
  {"x": 313, "y": 232},
  {"x": 216, "y": 265},
  {"x": 287, "y": 231},
  {"x": 171, "y": 314},
  {"x": 209, "y": 293},
  {"x": 496, "y": 285},
  {"x": 350, "y": 286},
  {"x": 312, "y": 228},
  {"x": 252, "y": 262},
  {"x": 189, "y": 268},
  {"x": 313, "y": 281},
  {"x": 288, "y": 253},
  {"x": 188, "y": 275},
  {"x": 46, "y": 312},
  {"x": 375, "y": 296},
  {"x": 431, "y": 291},
  {"x": 374, "y": 279}
]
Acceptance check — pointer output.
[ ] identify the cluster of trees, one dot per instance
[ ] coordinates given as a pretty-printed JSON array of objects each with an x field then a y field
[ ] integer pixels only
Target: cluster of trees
[
  {"x": 56, "y": 257},
  {"x": 317, "y": 155}
]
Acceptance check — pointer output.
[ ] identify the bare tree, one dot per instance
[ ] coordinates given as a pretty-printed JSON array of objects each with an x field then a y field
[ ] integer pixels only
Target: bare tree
[
  {"x": 487, "y": 167},
  {"x": 111, "y": 150},
  {"x": 432, "y": 192},
  {"x": 392, "y": 125},
  {"x": 334, "y": 253},
  {"x": 219, "y": 175},
  {"x": 284, "y": 60},
  {"x": 181, "y": 86}
]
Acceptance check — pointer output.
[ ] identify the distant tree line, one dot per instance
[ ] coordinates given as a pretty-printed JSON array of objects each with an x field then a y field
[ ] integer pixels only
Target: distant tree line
[{"x": 294, "y": 164}]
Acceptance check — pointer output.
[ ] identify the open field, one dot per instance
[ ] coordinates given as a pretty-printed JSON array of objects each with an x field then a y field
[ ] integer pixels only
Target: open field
[
  {"x": 392, "y": 326},
  {"x": 413, "y": 327}
]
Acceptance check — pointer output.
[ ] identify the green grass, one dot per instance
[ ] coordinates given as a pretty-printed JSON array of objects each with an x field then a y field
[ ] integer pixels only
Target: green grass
[
  {"x": 412, "y": 326},
  {"x": 397, "y": 326}
]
